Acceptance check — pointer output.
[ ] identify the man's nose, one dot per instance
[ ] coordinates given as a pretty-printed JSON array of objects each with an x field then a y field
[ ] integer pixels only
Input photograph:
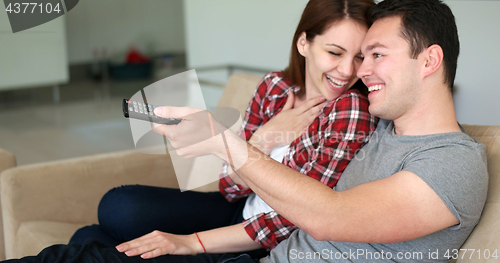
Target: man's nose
[{"x": 365, "y": 70}]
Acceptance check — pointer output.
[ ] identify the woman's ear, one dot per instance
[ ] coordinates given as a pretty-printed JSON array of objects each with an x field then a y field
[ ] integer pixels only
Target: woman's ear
[
  {"x": 433, "y": 59},
  {"x": 302, "y": 44}
]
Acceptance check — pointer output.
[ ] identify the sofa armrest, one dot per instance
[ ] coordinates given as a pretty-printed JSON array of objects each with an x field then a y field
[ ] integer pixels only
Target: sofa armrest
[
  {"x": 7, "y": 160},
  {"x": 70, "y": 190}
]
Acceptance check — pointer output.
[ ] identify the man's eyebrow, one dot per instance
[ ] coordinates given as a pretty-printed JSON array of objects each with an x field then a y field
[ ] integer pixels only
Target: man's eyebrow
[
  {"x": 335, "y": 45},
  {"x": 376, "y": 45}
]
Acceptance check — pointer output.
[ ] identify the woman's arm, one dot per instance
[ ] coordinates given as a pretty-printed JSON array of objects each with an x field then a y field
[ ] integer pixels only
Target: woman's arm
[
  {"x": 221, "y": 240},
  {"x": 230, "y": 185}
]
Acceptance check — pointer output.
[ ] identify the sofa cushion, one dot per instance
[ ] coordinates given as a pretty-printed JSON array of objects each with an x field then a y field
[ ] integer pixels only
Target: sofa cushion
[{"x": 485, "y": 235}]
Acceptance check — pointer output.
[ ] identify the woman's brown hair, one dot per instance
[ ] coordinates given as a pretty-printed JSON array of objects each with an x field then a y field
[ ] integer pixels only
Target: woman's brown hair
[{"x": 317, "y": 17}]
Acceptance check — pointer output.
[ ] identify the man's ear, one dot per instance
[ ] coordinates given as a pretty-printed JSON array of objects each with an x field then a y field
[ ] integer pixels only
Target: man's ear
[
  {"x": 302, "y": 44},
  {"x": 433, "y": 60}
]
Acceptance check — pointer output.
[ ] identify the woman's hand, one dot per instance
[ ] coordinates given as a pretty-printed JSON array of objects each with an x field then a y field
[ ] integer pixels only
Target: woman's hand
[
  {"x": 287, "y": 125},
  {"x": 158, "y": 243}
]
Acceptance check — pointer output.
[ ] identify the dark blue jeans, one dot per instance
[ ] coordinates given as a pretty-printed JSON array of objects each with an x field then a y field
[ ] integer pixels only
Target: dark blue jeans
[
  {"x": 93, "y": 251},
  {"x": 130, "y": 212}
]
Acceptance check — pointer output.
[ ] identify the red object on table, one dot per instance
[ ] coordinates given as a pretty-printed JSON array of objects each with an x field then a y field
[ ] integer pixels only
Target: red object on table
[{"x": 135, "y": 57}]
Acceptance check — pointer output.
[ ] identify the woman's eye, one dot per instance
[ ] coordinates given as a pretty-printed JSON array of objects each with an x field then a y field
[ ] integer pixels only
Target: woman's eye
[{"x": 333, "y": 53}]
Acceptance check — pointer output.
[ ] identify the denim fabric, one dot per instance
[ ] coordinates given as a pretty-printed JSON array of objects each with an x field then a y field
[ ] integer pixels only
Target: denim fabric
[
  {"x": 93, "y": 251},
  {"x": 129, "y": 212}
]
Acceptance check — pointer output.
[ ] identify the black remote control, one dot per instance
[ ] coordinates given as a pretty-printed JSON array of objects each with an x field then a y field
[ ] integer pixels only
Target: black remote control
[{"x": 144, "y": 111}]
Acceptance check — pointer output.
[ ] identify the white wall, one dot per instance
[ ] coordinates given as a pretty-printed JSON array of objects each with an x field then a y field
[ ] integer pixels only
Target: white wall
[
  {"x": 478, "y": 93},
  {"x": 157, "y": 25},
  {"x": 253, "y": 33},
  {"x": 258, "y": 33}
]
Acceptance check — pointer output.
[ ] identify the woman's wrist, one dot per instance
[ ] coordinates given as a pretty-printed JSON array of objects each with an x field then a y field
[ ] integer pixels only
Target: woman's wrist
[{"x": 200, "y": 244}]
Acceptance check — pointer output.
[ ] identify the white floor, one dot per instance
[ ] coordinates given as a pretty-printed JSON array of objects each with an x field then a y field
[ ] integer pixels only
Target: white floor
[
  {"x": 52, "y": 132},
  {"x": 87, "y": 120},
  {"x": 36, "y": 129}
]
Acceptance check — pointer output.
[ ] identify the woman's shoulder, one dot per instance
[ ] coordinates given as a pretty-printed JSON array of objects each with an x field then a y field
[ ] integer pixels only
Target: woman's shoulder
[
  {"x": 353, "y": 93},
  {"x": 351, "y": 99},
  {"x": 350, "y": 96},
  {"x": 274, "y": 84}
]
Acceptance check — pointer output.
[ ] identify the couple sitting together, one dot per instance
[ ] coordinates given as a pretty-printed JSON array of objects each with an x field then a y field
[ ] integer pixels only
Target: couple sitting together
[{"x": 375, "y": 167}]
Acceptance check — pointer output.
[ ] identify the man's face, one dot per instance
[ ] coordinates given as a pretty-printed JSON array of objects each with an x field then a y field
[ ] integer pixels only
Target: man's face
[{"x": 388, "y": 71}]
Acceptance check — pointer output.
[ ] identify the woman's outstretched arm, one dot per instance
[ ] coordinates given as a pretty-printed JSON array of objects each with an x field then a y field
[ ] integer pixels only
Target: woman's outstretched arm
[{"x": 220, "y": 240}]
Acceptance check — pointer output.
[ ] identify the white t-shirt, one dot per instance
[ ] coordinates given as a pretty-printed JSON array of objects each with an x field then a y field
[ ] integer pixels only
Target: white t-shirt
[{"x": 254, "y": 204}]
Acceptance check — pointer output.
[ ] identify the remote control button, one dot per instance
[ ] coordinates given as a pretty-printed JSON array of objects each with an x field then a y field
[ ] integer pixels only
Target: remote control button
[
  {"x": 135, "y": 103},
  {"x": 136, "y": 110},
  {"x": 130, "y": 109},
  {"x": 140, "y": 110}
]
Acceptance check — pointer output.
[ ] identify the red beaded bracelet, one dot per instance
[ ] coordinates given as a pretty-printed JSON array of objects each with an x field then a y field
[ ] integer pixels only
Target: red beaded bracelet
[{"x": 204, "y": 250}]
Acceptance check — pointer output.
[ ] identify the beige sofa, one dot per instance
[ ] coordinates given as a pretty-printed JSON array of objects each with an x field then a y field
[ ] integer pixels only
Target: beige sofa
[{"x": 44, "y": 204}]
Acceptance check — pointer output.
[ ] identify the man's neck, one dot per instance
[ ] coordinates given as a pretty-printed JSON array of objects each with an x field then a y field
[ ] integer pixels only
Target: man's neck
[{"x": 434, "y": 114}]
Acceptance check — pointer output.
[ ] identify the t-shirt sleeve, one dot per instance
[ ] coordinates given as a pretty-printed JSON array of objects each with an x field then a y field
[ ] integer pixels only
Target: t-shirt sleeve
[{"x": 443, "y": 165}]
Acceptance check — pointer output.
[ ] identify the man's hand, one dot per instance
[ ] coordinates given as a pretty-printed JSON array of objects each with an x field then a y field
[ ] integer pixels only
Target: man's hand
[
  {"x": 195, "y": 135},
  {"x": 158, "y": 243}
]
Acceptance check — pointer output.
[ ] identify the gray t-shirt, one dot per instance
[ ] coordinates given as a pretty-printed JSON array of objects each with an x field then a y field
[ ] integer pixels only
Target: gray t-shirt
[{"x": 452, "y": 164}]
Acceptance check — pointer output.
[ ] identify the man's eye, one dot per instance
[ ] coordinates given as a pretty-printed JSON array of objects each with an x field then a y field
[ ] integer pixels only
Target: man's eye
[
  {"x": 377, "y": 55},
  {"x": 333, "y": 53}
]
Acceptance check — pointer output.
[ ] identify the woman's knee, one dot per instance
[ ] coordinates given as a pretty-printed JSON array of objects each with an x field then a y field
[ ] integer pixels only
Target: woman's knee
[{"x": 119, "y": 204}]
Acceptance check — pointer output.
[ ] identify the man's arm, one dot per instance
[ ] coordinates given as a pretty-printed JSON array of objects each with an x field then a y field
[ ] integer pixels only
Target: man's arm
[{"x": 398, "y": 208}]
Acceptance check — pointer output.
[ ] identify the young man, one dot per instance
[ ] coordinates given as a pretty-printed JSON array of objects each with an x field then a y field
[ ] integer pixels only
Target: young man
[{"x": 415, "y": 191}]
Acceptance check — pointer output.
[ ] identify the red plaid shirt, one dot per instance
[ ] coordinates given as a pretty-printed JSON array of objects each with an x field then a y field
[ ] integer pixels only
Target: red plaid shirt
[{"x": 322, "y": 152}]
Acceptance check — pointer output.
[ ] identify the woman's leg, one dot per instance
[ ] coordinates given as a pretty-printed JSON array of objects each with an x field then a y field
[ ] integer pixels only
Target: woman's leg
[
  {"x": 129, "y": 212},
  {"x": 93, "y": 251}
]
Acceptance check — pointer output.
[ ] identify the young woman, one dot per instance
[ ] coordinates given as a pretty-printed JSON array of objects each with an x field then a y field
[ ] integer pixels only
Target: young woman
[{"x": 317, "y": 102}]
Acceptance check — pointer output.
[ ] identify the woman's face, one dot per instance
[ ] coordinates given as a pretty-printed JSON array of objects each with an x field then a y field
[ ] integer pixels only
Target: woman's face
[{"x": 332, "y": 59}]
